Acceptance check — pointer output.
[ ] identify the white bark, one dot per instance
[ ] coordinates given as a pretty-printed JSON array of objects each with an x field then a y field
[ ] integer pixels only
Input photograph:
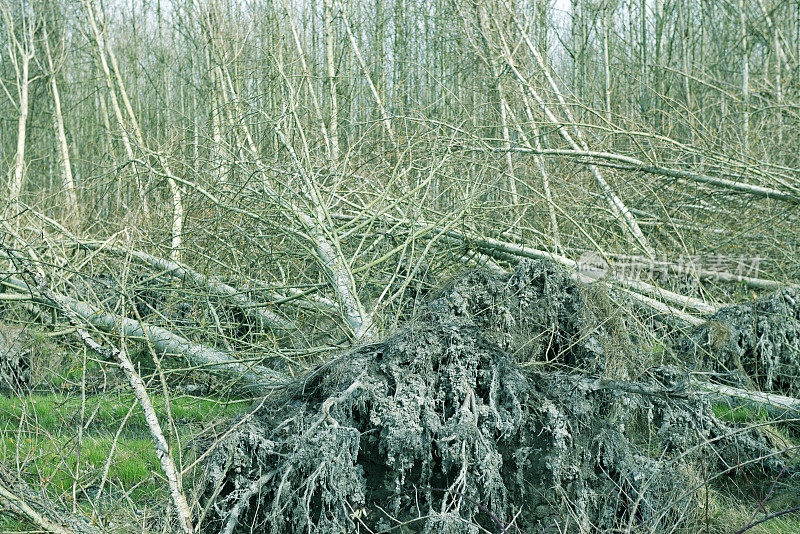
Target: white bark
[
  {"x": 22, "y": 121},
  {"x": 778, "y": 86},
  {"x": 669, "y": 296},
  {"x": 66, "y": 166},
  {"x": 120, "y": 185},
  {"x": 177, "y": 213},
  {"x": 556, "y": 235},
  {"x": 164, "y": 341},
  {"x": 220, "y": 174},
  {"x": 620, "y": 210},
  {"x": 20, "y": 53},
  {"x": 512, "y": 180},
  {"x": 61, "y": 136},
  {"x": 665, "y": 308},
  {"x": 607, "y": 10},
  {"x": 333, "y": 121},
  {"x": 777, "y": 406}
]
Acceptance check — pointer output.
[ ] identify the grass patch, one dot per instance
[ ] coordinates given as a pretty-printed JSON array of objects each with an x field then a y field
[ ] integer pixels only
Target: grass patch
[
  {"x": 37, "y": 410},
  {"x": 12, "y": 525},
  {"x": 52, "y": 412},
  {"x": 727, "y": 514},
  {"x": 39, "y": 438},
  {"x": 739, "y": 414},
  {"x": 57, "y": 462}
]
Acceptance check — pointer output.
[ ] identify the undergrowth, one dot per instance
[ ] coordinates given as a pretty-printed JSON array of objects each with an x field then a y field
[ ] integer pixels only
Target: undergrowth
[{"x": 39, "y": 438}]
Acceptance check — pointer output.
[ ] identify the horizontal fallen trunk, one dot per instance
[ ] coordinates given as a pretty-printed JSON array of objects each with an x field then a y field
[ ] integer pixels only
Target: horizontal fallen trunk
[
  {"x": 264, "y": 317},
  {"x": 777, "y": 406},
  {"x": 642, "y": 265},
  {"x": 13, "y": 297},
  {"x": 18, "y": 499},
  {"x": 164, "y": 341},
  {"x": 490, "y": 246},
  {"x": 136, "y": 383},
  {"x": 511, "y": 252},
  {"x": 622, "y": 263},
  {"x": 669, "y": 296},
  {"x": 634, "y": 164},
  {"x": 663, "y": 308}
]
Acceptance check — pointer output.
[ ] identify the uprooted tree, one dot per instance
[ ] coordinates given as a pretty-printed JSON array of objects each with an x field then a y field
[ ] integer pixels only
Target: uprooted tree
[{"x": 440, "y": 429}]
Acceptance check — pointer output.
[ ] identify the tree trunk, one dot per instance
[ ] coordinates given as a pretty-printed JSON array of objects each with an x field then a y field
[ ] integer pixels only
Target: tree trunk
[
  {"x": 745, "y": 79},
  {"x": 61, "y": 137},
  {"x": 123, "y": 130},
  {"x": 607, "y": 21},
  {"x": 333, "y": 120},
  {"x": 22, "y": 122}
]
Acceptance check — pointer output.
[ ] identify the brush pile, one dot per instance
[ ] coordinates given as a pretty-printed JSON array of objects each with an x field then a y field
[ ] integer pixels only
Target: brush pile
[{"x": 439, "y": 428}]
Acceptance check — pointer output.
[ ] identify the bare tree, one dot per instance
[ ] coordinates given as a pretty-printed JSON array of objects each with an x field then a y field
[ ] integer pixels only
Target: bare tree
[
  {"x": 58, "y": 127},
  {"x": 21, "y": 51}
]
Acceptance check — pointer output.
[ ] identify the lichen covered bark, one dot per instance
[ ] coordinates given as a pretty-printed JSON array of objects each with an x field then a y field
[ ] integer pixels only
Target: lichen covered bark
[
  {"x": 758, "y": 340},
  {"x": 480, "y": 414}
]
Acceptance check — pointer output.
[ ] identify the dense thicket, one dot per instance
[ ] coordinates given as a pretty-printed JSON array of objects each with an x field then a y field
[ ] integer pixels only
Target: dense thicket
[{"x": 233, "y": 192}]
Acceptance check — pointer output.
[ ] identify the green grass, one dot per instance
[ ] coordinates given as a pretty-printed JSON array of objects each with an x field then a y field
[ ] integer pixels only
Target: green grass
[
  {"x": 739, "y": 414},
  {"x": 10, "y": 525},
  {"x": 38, "y": 436},
  {"x": 39, "y": 410},
  {"x": 53, "y": 460},
  {"x": 779, "y": 525},
  {"x": 727, "y": 514},
  {"x": 51, "y": 412}
]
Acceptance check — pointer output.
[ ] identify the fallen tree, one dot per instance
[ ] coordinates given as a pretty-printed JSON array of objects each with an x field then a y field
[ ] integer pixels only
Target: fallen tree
[
  {"x": 757, "y": 341},
  {"x": 440, "y": 428},
  {"x": 249, "y": 374},
  {"x": 18, "y": 499},
  {"x": 621, "y": 161},
  {"x": 265, "y": 318}
]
